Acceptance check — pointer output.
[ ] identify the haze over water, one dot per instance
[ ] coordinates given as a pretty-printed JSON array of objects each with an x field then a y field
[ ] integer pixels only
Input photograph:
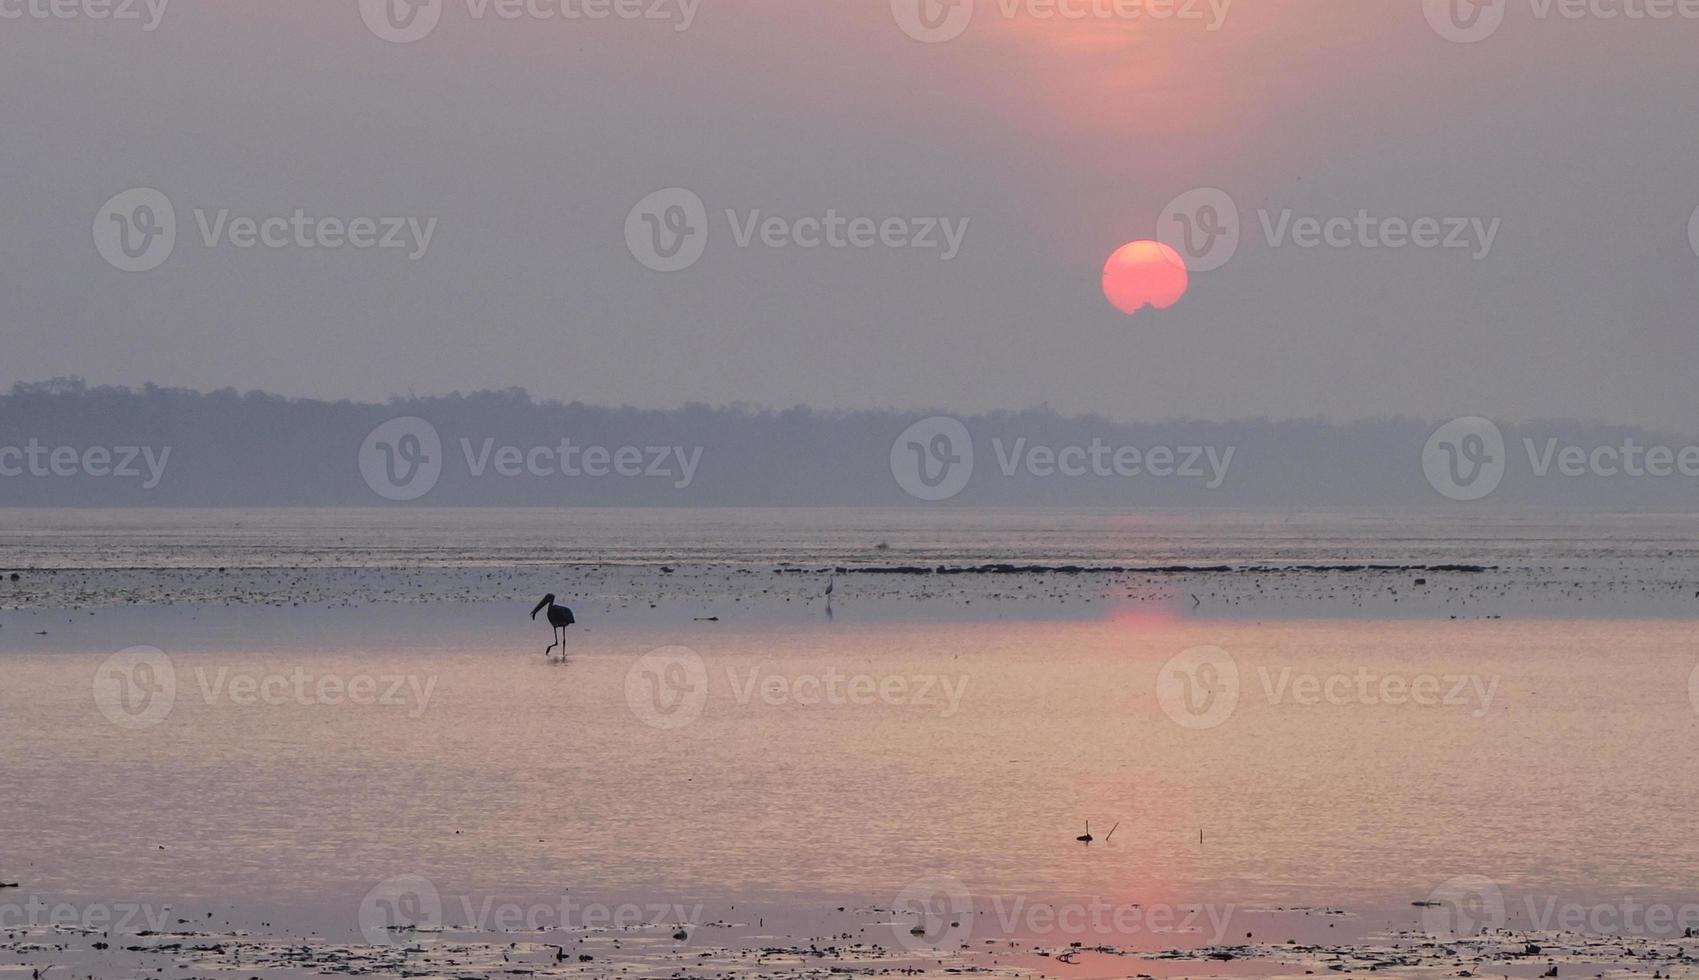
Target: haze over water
[{"x": 1011, "y": 488}]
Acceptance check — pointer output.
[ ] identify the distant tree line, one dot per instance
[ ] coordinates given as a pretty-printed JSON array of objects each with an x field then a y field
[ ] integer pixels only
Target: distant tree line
[{"x": 62, "y": 442}]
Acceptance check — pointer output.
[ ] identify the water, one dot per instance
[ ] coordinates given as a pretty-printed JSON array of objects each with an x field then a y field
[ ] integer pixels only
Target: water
[
  {"x": 992, "y": 746},
  {"x": 413, "y": 537},
  {"x": 783, "y": 756}
]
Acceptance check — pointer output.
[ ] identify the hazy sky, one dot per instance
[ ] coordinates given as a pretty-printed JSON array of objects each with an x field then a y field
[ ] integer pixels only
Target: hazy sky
[{"x": 1055, "y": 139}]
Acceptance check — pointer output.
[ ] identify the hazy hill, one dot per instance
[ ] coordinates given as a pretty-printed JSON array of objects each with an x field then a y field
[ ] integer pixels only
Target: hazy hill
[{"x": 253, "y": 449}]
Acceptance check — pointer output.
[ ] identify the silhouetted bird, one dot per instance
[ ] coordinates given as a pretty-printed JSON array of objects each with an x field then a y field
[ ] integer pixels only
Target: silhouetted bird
[{"x": 560, "y": 618}]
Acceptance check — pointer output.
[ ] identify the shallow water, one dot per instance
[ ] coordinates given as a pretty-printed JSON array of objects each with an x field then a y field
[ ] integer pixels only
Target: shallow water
[
  {"x": 853, "y": 759},
  {"x": 1345, "y": 740}
]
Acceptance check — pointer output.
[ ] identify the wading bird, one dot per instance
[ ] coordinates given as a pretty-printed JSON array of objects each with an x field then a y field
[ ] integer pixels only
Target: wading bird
[{"x": 560, "y": 618}]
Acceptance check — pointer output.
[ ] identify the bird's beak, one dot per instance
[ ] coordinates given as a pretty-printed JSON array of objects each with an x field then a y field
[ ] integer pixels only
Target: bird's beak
[{"x": 540, "y": 607}]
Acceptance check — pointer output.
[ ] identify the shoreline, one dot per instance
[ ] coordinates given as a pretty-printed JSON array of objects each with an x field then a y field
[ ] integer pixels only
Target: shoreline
[
  {"x": 427, "y": 934},
  {"x": 873, "y": 593}
]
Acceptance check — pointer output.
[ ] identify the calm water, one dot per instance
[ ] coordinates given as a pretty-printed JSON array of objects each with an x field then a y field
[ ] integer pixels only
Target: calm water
[
  {"x": 850, "y": 757},
  {"x": 466, "y": 536}
]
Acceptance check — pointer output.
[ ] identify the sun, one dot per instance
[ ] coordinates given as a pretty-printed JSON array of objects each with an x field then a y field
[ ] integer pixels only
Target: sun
[{"x": 1144, "y": 273}]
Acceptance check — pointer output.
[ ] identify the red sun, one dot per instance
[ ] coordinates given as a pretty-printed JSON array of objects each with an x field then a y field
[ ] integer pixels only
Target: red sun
[{"x": 1142, "y": 274}]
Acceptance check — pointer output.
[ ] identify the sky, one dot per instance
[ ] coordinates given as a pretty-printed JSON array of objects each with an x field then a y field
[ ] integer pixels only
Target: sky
[{"x": 555, "y": 187}]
